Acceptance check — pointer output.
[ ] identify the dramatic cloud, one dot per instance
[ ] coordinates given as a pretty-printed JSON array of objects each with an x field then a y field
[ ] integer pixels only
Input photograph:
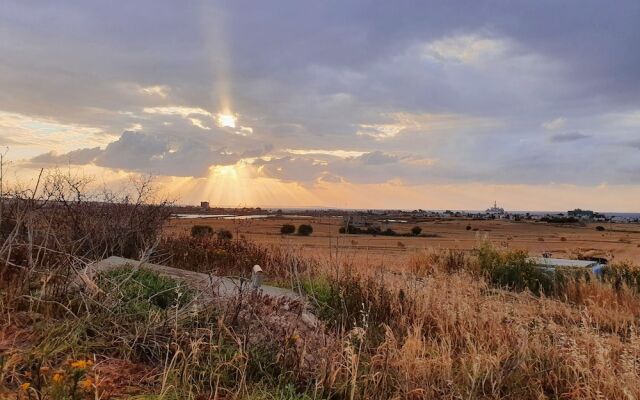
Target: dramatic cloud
[
  {"x": 146, "y": 153},
  {"x": 356, "y": 92},
  {"x": 75, "y": 157}
]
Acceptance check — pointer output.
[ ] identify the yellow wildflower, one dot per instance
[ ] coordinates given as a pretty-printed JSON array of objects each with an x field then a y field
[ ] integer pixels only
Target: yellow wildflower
[
  {"x": 86, "y": 384},
  {"x": 57, "y": 378},
  {"x": 81, "y": 364},
  {"x": 25, "y": 386}
]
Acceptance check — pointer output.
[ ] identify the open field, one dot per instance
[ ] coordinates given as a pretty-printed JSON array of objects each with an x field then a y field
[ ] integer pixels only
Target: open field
[
  {"x": 619, "y": 242},
  {"x": 453, "y": 324}
]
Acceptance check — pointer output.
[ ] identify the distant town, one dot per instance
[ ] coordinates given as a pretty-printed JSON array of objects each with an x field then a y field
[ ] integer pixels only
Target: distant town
[{"x": 365, "y": 217}]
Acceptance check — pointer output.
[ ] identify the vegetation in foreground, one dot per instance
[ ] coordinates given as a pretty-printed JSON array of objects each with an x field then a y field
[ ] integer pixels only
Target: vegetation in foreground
[{"x": 455, "y": 325}]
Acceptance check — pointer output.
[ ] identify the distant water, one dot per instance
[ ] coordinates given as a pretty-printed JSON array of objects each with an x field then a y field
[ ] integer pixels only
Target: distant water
[
  {"x": 622, "y": 215},
  {"x": 630, "y": 216},
  {"x": 218, "y": 216},
  {"x": 231, "y": 216}
]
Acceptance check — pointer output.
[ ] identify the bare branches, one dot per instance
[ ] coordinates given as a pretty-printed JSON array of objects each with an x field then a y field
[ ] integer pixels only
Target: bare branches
[{"x": 57, "y": 223}]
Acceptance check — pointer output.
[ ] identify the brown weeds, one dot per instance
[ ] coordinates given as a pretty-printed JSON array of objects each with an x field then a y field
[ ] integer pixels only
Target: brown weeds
[{"x": 445, "y": 327}]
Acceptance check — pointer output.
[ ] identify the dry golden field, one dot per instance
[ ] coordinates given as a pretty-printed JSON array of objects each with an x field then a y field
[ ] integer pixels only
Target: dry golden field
[
  {"x": 619, "y": 242},
  {"x": 455, "y": 326}
]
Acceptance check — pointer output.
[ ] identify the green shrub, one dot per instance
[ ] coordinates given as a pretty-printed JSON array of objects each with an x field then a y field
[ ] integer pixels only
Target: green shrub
[
  {"x": 201, "y": 231},
  {"x": 512, "y": 270},
  {"x": 305, "y": 230},
  {"x": 224, "y": 234},
  {"x": 143, "y": 289},
  {"x": 319, "y": 290},
  {"x": 600, "y": 228},
  {"x": 287, "y": 229},
  {"x": 416, "y": 230}
]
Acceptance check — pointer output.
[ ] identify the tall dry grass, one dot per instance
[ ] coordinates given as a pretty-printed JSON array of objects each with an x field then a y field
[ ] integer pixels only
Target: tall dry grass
[{"x": 450, "y": 326}]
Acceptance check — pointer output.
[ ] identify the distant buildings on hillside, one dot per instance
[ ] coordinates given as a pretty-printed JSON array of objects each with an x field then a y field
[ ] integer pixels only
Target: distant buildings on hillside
[
  {"x": 381, "y": 218},
  {"x": 586, "y": 215},
  {"x": 495, "y": 210}
]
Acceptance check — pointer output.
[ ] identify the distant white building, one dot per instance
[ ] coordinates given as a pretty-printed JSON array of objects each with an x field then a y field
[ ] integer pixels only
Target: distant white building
[{"x": 495, "y": 210}]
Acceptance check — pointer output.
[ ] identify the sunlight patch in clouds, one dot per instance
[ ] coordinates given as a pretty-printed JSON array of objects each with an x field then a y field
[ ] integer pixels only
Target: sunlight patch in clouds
[
  {"x": 157, "y": 90},
  {"x": 226, "y": 120},
  {"x": 198, "y": 123},
  {"x": 176, "y": 110},
  {"x": 28, "y": 135},
  {"x": 424, "y": 123},
  {"x": 466, "y": 49},
  {"x": 199, "y": 118},
  {"x": 334, "y": 153}
]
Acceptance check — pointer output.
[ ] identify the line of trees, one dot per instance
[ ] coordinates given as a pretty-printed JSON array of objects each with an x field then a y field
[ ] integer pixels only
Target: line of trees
[
  {"x": 303, "y": 229},
  {"x": 375, "y": 230}
]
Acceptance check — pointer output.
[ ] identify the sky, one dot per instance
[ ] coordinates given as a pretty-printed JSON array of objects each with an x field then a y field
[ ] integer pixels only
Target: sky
[{"x": 345, "y": 103}]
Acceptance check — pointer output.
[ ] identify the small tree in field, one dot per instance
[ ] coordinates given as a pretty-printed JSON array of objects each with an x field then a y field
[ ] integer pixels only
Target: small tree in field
[
  {"x": 224, "y": 234},
  {"x": 287, "y": 229},
  {"x": 305, "y": 230},
  {"x": 201, "y": 231},
  {"x": 416, "y": 230}
]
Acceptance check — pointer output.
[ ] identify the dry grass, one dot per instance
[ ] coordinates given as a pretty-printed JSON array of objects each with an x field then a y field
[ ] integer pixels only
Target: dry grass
[{"x": 446, "y": 327}]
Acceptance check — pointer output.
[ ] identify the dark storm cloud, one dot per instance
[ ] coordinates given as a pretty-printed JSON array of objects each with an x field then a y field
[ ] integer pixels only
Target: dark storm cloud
[
  {"x": 157, "y": 154},
  {"x": 467, "y": 85}
]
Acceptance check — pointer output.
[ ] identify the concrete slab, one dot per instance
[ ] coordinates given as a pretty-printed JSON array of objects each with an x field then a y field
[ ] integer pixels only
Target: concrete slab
[{"x": 207, "y": 284}]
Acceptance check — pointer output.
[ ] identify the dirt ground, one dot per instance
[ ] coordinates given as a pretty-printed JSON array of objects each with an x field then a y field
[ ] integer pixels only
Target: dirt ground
[{"x": 619, "y": 242}]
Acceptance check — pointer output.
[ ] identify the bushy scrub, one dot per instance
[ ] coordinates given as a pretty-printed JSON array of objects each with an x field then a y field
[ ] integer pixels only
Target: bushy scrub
[
  {"x": 224, "y": 234},
  {"x": 287, "y": 229},
  {"x": 201, "y": 231},
  {"x": 305, "y": 230},
  {"x": 512, "y": 270}
]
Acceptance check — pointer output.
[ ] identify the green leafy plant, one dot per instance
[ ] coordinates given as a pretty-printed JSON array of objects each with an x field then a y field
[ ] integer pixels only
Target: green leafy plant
[
  {"x": 142, "y": 289},
  {"x": 513, "y": 270}
]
